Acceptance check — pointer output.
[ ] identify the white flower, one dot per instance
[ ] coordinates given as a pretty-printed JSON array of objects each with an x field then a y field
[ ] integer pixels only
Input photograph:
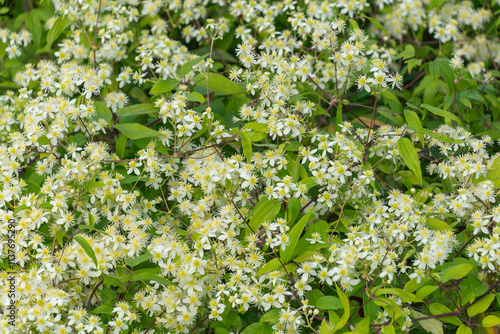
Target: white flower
[
  {"x": 315, "y": 238},
  {"x": 363, "y": 83}
]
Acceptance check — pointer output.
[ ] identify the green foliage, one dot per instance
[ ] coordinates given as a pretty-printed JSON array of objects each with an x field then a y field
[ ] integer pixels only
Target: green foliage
[
  {"x": 410, "y": 157},
  {"x": 239, "y": 167},
  {"x": 86, "y": 247},
  {"x": 136, "y": 131}
]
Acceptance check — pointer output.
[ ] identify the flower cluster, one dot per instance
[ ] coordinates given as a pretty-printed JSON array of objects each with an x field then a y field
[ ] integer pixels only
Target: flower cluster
[
  {"x": 177, "y": 165},
  {"x": 14, "y": 41}
]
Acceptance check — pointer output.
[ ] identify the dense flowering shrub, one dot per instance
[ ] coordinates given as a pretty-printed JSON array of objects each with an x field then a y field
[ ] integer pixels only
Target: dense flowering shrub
[{"x": 249, "y": 166}]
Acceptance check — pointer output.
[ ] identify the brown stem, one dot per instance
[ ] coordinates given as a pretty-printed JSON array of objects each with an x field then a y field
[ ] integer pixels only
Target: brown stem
[
  {"x": 147, "y": 330},
  {"x": 93, "y": 292}
]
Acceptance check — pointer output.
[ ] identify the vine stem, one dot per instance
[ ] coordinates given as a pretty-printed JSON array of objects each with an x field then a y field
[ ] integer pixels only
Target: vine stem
[
  {"x": 93, "y": 292},
  {"x": 150, "y": 326}
]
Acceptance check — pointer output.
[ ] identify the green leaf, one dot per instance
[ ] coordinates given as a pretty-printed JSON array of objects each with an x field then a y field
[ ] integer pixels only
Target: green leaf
[
  {"x": 86, "y": 247},
  {"x": 136, "y": 131},
  {"x": 247, "y": 146},
  {"x": 328, "y": 303},
  {"x": 448, "y": 75},
  {"x": 46, "y": 206},
  {"x": 106, "y": 309},
  {"x": 438, "y": 136},
  {"x": 435, "y": 3},
  {"x": 426, "y": 290},
  {"x": 412, "y": 63},
  {"x": 139, "y": 94},
  {"x": 494, "y": 173},
  {"x": 163, "y": 86},
  {"x": 464, "y": 330},
  {"x": 413, "y": 120},
  {"x": 338, "y": 117},
  {"x": 259, "y": 127},
  {"x": 137, "y": 109},
  {"x": 293, "y": 210},
  {"x": 43, "y": 140},
  {"x": 370, "y": 309},
  {"x": 391, "y": 308},
  {"x": 138, "y": 260},
  {"x": 20, "y": 208},
  {"x": 409, "y": 52},
  {"x": 4, "y": 10},
  {"x": 295, "y": 170},
  {"x": 232, "y": 319},
  {"x": 363, "y": 327},
  {"x": 57, "y": 29},
  {"x": 91, "y": 220},
  {"x": 256, "y": 136},
  {"x": 491, "y": 321},
  {"x": 101, "y": 111},
  {"x": 434, "y": 69},
  {"x": 32, "y": 187},
  {"x": 218, "y": 53},
  {"x": 269, "y": 266},
  {"x": 354, "y": 25},
  {"x": 433, "y": 326},
  {"x": 389, "y": 329},
  {"x": 219, "y": 84},
  {"x": 442, "y": 113},
  {"x": 466, "y": 102},
  {"x": 307, "y": 256},
  {"x": 393, "y": 102},
  {"x": 345, "y": 304},
  {"x": 91, "y": 228},
  {"x": 438, "y": 225},
  {"x": 271, "y": 316},
  {"x": 195, "y": 97},
  {"x": 470, "y": 288},
  {"x": 96, "y": 184},
  {"x": 187, "y": 67},
  {"x": 437, "y": 309},
  {"x": 19, "y": 20},
  {"x": 146, "y": 277},
  {"x": 34, "y": 26},
  {"x": 481, "y": 305},
  {"x": 304, "y": 245},
  {"x": 266, "y": 212},
  {"x": 120, "y": 145},
  {"x": 258, "y": 328},
  {"x": 154, "y": 271},
  {"x": 294, "y": 235},
  {"x": 412, "y": 285},
  {"x": 405, "y": 296},
  {"x": 324, "y": 328},
  {"x": 457, "y": 272},
  {"x": 410, "y": 157},
  {"x": 310, "y": 182},
  {"x": 6, "y": 84},
  {"x": 107, "y": 295},
  {"x": 59, "y": 236},
  {"x": 374, "y": 22}
]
